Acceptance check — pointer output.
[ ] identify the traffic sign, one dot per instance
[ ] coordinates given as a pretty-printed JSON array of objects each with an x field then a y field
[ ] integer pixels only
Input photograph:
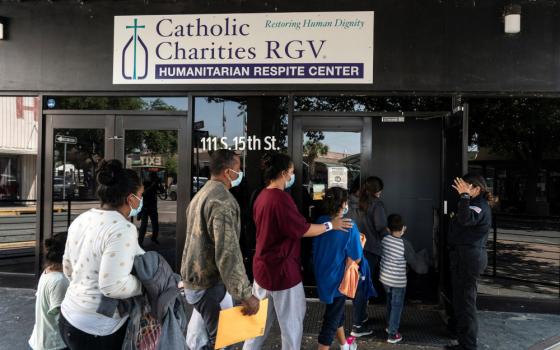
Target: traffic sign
[
  {"x": 199, "y": 125},
  {"x": 66, "y": 139}
]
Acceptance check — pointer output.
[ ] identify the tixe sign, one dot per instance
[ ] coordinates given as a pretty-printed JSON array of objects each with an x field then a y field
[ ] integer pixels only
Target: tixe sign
[
  {"x": 66, "y": 139},
  {"x": 272, "y": 48}
]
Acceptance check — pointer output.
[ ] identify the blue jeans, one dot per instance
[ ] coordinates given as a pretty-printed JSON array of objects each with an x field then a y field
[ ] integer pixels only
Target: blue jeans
[
  {"x": 333, "y": 319},
  {"x": 395, "y": 304}
]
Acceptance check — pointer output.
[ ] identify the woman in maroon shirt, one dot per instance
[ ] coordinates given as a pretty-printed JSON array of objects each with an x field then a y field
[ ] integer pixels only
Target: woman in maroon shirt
[{"x": 276, "y": 264}]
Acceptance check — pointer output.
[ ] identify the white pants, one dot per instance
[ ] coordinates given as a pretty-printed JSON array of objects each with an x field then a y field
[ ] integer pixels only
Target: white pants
[
  {"x": 197, "y": 336},
  {"x": 289, "y": 306}
]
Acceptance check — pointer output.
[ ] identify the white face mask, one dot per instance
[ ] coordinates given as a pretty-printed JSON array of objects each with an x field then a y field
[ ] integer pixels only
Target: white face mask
[
  {"x": 290, "y": 182},
  {"x": 237, "y": 181}
]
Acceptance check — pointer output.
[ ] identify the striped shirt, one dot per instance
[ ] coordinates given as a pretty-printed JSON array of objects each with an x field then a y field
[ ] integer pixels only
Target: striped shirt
[{"x": 393, "y": 262}]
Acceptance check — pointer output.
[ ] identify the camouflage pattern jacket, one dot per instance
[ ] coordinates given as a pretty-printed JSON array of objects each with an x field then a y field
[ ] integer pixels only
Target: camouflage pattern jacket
[{"x": 212, "y": 254}]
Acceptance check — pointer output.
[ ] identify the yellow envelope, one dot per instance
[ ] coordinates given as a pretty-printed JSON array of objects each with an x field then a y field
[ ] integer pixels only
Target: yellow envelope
[{"x": 234, "y": 327}]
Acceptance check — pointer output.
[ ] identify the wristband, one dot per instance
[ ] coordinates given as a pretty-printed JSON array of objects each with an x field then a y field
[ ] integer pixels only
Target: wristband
[
  {"x": 328, "y": 226},
  {"x": 465, "y": 195}
]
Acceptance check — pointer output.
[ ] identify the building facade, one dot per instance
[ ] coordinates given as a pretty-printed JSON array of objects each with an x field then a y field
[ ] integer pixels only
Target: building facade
[{"x": 398, "y": 109}]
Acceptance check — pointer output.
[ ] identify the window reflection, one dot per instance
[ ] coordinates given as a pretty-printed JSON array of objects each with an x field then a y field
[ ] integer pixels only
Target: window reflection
[
  {"x": 371, "y": 104},
  {"x": 515, "y": 145},
  {"x": 116, "y": 103},
  {"x": 231, "y": 118}
]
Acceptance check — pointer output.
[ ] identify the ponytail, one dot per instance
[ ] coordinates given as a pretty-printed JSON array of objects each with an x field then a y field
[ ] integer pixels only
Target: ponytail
[{"x": 480, "y": 182}]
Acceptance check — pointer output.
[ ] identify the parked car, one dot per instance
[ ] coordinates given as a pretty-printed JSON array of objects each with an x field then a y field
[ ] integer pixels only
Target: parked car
[
  {"x": 197, "y": 185},
  {"x": 59, "y": 184}
]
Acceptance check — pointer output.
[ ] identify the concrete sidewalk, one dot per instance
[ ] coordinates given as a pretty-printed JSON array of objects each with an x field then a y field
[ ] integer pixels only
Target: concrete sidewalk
[{"x": 421, "y": 327}]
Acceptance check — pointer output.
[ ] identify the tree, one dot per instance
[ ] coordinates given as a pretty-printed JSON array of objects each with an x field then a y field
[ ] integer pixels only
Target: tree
[
  {"x": 524, "y": 129},
  {"x": 313, "y": 148}
]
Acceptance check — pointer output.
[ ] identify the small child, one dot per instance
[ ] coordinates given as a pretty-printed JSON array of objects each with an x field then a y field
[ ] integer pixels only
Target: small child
[
  {"x": 50, "y": 293},
  {"x": 393, "y": 275},
  {"x": 330, "y": 252}
]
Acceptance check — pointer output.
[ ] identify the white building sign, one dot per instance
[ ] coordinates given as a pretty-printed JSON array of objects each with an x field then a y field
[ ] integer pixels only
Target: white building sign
[
  {"x": 258, "y": 48},
  {"x": 338, "y": 176}
]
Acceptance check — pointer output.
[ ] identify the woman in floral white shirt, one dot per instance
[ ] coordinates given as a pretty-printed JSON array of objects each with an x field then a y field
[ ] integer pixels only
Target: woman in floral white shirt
[{"x": 98, "y": 261}]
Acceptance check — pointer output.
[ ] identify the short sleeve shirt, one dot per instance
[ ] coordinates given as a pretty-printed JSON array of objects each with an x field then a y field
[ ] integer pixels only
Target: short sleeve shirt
[
  {"x": 330, "y": 251},
  {"x": 50, "y": 293},
  {"x": 280, "y": 227}
]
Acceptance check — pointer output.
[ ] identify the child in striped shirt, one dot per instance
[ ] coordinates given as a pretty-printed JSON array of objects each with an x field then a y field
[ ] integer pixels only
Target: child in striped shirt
[{"x": 393, "y": 274}]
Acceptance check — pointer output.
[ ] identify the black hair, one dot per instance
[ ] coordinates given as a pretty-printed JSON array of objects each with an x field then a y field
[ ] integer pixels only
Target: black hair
[
  {"x": 395, "y": 223},
  {"x": 115, "y": 183},
  {"x": 54, "y": 248},
  {"x": 274, "y": 164},
  {"x": 334, "y": 198},
  {"x": 371, "y": 186},
  {"x": 222, "y": 159},
  {"x": 480, "y": 182}
]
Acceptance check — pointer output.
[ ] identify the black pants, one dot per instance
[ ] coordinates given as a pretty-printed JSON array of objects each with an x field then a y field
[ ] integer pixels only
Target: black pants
[
  {"x": 209, "y": 308},
  {"x": 152, "y": 214},
  {"x": 76, "y": 339},
  {"x": 466, "y": 264},
  {"x": 333, "y": 319},
  {"x": 373, "y": 261}
]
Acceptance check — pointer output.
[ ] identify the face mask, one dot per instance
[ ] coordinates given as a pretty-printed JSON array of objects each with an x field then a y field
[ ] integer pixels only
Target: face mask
[
  {"x": 136, "y": 211},
  {"x": 345, "y": 211},
  {"x": 237, "y": 181},
  {"x": 290, "y": 182}
]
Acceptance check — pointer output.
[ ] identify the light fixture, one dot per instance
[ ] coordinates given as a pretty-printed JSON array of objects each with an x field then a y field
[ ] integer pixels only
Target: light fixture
[
  {"x": 512, "y": 19},
  {"x": 1, "y": 31}
]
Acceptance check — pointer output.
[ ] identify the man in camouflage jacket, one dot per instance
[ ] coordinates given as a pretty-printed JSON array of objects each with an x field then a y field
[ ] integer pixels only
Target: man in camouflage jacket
[{"x": 212, "y": 261}]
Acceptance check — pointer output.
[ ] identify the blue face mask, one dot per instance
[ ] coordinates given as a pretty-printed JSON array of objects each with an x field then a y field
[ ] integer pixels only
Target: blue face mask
[
  {"x": 290, "y": 182},
  {"x": 136, "y": 211},
  {"x": 345, "y": 211},
  {"x": 237, "y": 181}
]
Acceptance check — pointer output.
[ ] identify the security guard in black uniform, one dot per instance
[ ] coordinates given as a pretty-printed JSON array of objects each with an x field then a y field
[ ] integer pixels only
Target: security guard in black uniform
[{"x": 468, "y": 257}]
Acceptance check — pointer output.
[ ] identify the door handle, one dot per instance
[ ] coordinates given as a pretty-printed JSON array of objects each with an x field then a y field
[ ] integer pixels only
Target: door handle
[{"x": 115, "y": 138}]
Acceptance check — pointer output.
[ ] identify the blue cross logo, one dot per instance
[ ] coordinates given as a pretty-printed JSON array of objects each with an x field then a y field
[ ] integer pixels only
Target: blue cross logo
[{"x": 139, "y": 50}]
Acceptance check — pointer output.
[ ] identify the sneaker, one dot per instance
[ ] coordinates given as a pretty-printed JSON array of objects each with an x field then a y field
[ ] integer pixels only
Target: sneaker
[
  {"x": 395, "y": 338},
  {"x": 360, "y": 331},
  {"x": 350, "y": 344}
]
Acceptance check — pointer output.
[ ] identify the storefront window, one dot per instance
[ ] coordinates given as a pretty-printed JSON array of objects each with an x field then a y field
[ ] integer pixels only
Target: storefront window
[
  {"x": 515, "y": 145},
  {"x": 250, "y": 125},
  {"x": 116, "y": 103},
  {"x": 371, "y": 104},
  {"x": 9, "y": 183},
  {"x": 19, "y": 130}
]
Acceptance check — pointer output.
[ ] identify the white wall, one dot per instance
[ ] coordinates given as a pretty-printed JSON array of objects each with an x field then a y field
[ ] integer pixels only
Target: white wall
[
  {"x": 19, "y": 128},
  {"x": 19, "y": 132}
]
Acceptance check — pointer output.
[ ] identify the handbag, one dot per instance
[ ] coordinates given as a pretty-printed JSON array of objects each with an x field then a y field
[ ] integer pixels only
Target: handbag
[{"x": 149, "y": 332}]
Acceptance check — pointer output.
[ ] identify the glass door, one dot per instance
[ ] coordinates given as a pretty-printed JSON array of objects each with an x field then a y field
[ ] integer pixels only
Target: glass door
[
  {"x": 75, "y": 145},
  {"x": 150, "y": 146},
  {"x": 327, "y": 152}
]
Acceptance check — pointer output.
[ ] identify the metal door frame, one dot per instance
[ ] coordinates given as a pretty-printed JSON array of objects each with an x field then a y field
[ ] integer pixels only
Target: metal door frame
[
  {"x": 114, "y": 124},
  {"x": 331, "y": 122}
]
